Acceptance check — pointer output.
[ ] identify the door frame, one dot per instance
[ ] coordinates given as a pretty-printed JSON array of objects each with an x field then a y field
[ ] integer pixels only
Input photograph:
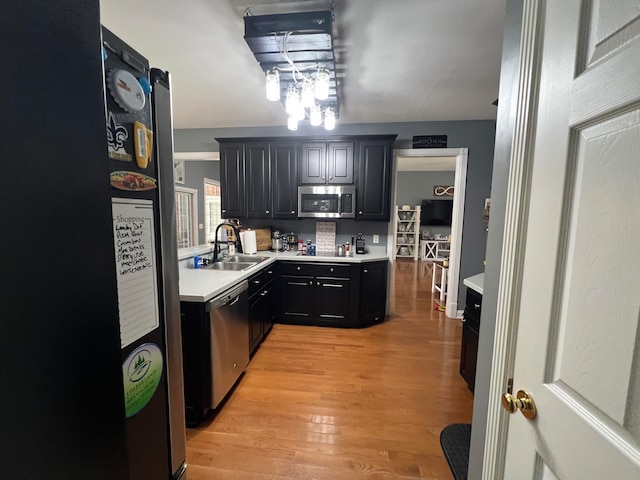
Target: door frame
[
  {"x": 515, "y": 227},
  {"x": 460, "y": 184}
]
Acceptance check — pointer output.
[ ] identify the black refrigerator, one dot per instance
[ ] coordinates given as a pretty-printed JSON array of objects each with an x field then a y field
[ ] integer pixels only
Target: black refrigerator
[{"x": 90, "y": 351}]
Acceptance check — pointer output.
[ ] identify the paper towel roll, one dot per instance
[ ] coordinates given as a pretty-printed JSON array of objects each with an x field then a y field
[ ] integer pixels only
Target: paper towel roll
[{"x": 248, "y": 240}]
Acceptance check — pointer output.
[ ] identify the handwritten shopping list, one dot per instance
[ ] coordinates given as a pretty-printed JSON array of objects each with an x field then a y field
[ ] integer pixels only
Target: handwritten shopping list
[{"x": 134, "y": 241}]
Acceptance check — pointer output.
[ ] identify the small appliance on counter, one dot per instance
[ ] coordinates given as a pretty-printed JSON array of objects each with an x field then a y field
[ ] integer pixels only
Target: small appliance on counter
[
  {"x": 359, "y": 244},
  {"x": 290, "y": 242},
  {"x": 276, "y": 241}
]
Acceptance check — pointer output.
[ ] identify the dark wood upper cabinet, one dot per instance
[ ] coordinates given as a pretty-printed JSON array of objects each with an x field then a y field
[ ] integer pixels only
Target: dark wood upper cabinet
[
  {"x": 340, "y": 162},
  {"x": 313, "y": 163},
  {"x": 373, "y": 179},
  {"x": 259, "y": 177},
  {"x": 259, "y": 182},
  {"x": 326, "y": 163},
  {"x": 232, "y": 178},
  {"x": 284, "y": 170}
]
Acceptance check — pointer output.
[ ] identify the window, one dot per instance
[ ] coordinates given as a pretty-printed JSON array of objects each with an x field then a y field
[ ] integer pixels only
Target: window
[
  {"x": 186, "y": 216},
  {"x": 212, "y": 208}
]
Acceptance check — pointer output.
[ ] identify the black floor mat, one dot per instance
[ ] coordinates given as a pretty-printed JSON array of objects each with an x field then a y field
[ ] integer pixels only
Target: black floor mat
[{"x": 455, "y": 440}]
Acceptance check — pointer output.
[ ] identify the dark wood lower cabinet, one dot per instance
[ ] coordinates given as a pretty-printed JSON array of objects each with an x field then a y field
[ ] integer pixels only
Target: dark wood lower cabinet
[
  {"x": 469, "y": 353},
  {"x": 373, "y": 291},
  {"x": 261, "y": 306},
  {"x": 341, "y": 295},
  {"x": 470, "y": 334}
]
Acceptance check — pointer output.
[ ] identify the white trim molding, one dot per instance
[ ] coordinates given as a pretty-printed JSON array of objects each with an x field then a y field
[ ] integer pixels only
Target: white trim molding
[
  {"x": 215, "y": 156},
  {"x": 517, "y": 207},
  {"x": 460, "y": 182}
]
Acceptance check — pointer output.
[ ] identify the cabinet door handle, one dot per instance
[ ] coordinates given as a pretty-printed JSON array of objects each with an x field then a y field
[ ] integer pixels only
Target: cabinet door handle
[
  {"x": 463, "y": 320},
  {"x": 318, "y": 283},
  {"x": 360, "y": 212},
  {"x": 330, "y": 178},
  {"x": 331, "y": 269},
  {"x": 267, "y": 212},
  {"x": 298, "y": 268},
  {"x": 263, "y": 293},
  {"x": 257, "y": 282},
  {"x": 365, "y": 271},
  {"x": 311, "y": 282},
  {"x": 224, "y": 211},
  {"x": 323, "y": 177},
  {"x": 270, "y": 272},
  {"x": 293, "y": 211},
  {"x": 476, "y": 306}
]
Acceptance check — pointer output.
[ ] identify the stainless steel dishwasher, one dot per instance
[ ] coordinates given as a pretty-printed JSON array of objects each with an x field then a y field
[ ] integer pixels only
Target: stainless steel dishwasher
[{"x": 229, "y": 317}]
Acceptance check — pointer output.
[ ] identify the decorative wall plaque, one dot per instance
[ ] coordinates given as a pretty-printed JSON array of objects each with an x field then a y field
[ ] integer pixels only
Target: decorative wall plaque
[
  {"x": 443, "y": 191},
  {"x": 430, "y": 141}
]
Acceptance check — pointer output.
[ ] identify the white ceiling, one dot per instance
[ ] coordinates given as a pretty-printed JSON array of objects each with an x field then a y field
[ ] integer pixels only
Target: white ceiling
[{"x": 400, "y": 61}]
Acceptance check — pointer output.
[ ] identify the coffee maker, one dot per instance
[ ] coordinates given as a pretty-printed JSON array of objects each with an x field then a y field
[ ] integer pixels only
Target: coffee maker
[{"x": 291, "y": 241}]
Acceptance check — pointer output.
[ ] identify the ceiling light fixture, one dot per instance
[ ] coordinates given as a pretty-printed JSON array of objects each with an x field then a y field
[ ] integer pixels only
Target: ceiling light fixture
[
  {"x": 315, "y": 115},
  {"x": 296, "y": 53},
  {"x": 273, "y": 85},
  {"x": 329, "y": 119}
]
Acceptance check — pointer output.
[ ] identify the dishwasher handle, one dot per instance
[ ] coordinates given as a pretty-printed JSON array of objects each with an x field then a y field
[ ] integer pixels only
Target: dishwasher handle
[{"x": 228, "y": 298}]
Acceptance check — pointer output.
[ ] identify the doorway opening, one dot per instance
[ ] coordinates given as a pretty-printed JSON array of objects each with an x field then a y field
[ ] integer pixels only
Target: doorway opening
[{"x": 437, "y": 159}]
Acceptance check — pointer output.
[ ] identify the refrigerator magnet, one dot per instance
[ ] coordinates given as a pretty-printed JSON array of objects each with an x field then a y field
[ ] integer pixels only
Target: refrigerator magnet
[
  {"x": 141, "y": 374},
  {"x": 126, "y": 90},
  {"x": 132, "y": 181},
  {"x": 116, "y": 135},
  {"x": 143, "y": 140}
]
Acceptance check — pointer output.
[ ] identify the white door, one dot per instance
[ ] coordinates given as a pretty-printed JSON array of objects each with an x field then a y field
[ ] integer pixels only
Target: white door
[{"x": 578, "y": 341}]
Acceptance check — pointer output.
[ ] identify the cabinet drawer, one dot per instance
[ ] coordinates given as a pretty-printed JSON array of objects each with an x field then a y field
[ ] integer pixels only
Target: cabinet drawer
[
  {"x": 260, "y": 279},
  {"x": 473, "y": 306},
  {"x": 316, "y": 269}
]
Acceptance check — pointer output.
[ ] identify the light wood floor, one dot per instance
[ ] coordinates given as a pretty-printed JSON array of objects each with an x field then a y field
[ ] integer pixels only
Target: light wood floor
[{"x": 325, "y": 403}]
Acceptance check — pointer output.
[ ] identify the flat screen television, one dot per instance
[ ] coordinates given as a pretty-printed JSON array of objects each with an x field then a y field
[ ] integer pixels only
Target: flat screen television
[{"x": 436, "y": 212}]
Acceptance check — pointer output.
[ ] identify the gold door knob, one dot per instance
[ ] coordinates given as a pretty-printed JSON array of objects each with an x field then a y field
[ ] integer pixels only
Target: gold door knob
[{"x": 523, "y": 402}]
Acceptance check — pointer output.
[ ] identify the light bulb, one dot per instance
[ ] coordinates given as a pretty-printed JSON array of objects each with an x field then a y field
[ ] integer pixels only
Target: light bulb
[
  {"x": 307, "y": 98},
  {"x": 300, "y": 113},
  {"x": 322, "y": 85},
  {"x": 292, "y": 123},
  {"x": 316, "y": 115},
  {"x": 329, "y": 119},
  {"x": 293, "y": 101},
  {"x": 273, "y": 85}
]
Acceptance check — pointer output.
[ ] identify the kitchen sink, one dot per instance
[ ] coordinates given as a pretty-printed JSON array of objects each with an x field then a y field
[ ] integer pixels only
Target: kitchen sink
[
  {"x": 240, "y": 258},
  {"x": 236, "y": 266}
]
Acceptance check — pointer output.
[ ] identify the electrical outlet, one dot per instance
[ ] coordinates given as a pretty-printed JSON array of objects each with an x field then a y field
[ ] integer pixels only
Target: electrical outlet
[{"x": 376, "y": 239}]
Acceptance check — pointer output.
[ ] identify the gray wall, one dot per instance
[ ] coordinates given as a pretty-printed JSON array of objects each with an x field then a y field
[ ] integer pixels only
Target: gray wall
[
  {"x": 413, "y": 187},
  {"x": 476, "y": 135},
  {"x": 194, "y": 174},
  {"x": 504, "y": 140}
]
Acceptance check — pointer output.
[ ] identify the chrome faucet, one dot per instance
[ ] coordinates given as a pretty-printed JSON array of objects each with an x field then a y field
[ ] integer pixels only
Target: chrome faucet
[{"x": 216, "y": 246}]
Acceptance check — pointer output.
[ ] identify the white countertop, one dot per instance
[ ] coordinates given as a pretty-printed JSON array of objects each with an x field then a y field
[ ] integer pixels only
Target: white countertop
[
  {"x": 475, "y": 283},
  {"x": 202, "y": 284}
]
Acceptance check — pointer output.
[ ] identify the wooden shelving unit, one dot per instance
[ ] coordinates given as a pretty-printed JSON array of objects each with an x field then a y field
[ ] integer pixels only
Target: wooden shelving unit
[
  {"x": 431, "y": 250},
  {"x": 407, "y": 232}
]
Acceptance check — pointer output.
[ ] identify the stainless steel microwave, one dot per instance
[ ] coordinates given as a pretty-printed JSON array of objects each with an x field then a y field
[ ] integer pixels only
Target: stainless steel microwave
[{"x": 327, "y": 201}]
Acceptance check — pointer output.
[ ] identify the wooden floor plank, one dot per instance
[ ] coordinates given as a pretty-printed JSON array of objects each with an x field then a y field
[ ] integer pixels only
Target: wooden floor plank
[{"x": 325, "y": 403}]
